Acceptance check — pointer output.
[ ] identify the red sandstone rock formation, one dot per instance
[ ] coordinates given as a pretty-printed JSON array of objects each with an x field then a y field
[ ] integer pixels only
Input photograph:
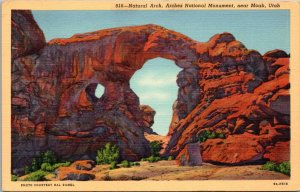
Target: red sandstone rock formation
[
  {"x": 223, "y": 87},
  {"x": 27, "y": 37},
  {"x": 244, "y": 95},
  {"x": 148, "y": 118}
]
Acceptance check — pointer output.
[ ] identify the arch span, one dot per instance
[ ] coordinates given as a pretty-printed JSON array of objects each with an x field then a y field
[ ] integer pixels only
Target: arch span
[{"x": 69, "y": 70}]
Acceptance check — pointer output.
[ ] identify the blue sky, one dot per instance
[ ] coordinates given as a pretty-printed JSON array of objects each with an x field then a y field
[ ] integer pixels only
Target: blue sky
[{"x": 156, "y": 86}]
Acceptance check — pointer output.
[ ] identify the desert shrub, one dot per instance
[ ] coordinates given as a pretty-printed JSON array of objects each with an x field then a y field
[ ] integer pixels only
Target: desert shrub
[
  {"x": 47, "y": 167},
  {"x": 282, "y": 167},
  {"x": 14, "y": 178},
  {"x": 27, "y": 169},
  {"x": 153, "y": 159},
  {"x": 50, "y": 168},
  {"x": 155, "y": 147},
  {"x": 113, "y": 165},
  {"x": 47, "y": 161},
  {"x": 144, "y": 159},
  {"x": 57, "y": 165},
  {"x": 36, "y": 176},
  {"x": 210, "y": 135},
  {"x": 108, "y": 154},
  {"x": 221, "y": 135},
  {"x": 134, "y": 164},
  {"x": 125, "y": 163},
  {"x": 48, "y": 157},
  {"x": 269, "y": 166},
  {"x": 36, "y": 164},
  {"x": 285, "y": 168},
  {"x": 170, "y": 158}
]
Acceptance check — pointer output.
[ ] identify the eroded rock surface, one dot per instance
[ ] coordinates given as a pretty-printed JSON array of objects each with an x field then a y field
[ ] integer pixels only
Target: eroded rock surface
[
  {"x": 223, "y": 87},
  {"x": 190, "y": 155},
  {"x": 79, "y": 171},
  {"x": 245, "y": 96}
]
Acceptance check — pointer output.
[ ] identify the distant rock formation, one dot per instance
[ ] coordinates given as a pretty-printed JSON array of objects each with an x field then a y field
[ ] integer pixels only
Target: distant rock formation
[
  {"x": 223, "y": 87},
  {"x": 148, "y": 118}
]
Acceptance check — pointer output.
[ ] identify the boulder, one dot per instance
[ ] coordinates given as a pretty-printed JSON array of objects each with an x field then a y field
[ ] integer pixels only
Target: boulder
[
  {"x": 278, "y": 153},
  {"x": 234, "y": 150},
  {"x": 84, "y": 165},
  {"x": 69, "y": 173},
  {"x": 190, "y": 155},
  {"x": 148, "y": 118}
]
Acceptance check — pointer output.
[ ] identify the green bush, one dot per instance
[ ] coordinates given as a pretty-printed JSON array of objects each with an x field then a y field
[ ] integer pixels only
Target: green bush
[
  {"x": 14, "y": 178},
  {"x": 36, "y": 176},
  {"x": 48, "y": 157},
  {"x": 134, "y": 164},
  {"x": 27, "y": 169},
  {"x": 108, "y": 154},
  {"x": 57, "y": 165},
  {"x": 47, "y": 161},
  {"x": 50, "y": 168},
  {"x": 155, "y": 147},
  {"x": 153, "y": 159},
  {"x": 170, "y": 158},
  {"x": 125, "y": 163},
  {"x": 282, "y": 167},
  {"x": 222, "y": 136},
  {"x": 210, "y": 135},
  {"x": 36, "y": 164},
  {"x": 47, "y": 167},
  {"x": 113, "y": 165},
  {"x": 270, "y": 166},
  {"x": 285, "y": 168}
]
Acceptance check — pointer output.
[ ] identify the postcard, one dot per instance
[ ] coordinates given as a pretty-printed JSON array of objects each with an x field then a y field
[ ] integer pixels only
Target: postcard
[{"x": 150, "y": 95}]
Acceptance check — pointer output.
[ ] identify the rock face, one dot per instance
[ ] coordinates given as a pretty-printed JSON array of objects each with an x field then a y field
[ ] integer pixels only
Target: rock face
[
  {"x": 245, "y": 96},
  {"x": 148, "y": 118},
  {"x": 190, "y": 155},
  {"x": 27, "y": 37},
  {"x": 223, "y": 87}
]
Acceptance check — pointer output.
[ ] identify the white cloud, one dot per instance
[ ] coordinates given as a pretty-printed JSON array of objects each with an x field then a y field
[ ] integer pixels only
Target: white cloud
[
  {"x": 152, "y": 96},
  {"x": 154, "y": 81}
]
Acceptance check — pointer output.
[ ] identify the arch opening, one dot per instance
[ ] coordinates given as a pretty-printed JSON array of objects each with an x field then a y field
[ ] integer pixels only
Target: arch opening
[
  {"x": 155, "y": 84},
  {"x": 95, "y": 91},
  {"x": 99, "y": 91}
]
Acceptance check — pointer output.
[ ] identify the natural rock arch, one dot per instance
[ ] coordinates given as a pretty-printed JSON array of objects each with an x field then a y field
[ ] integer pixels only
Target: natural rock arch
[
  {"x": 223, "y": 87},
  {"x": 68, "y": 71},
  {"x": 156, "y": 85},
  {"x": 111, "y": 57}
]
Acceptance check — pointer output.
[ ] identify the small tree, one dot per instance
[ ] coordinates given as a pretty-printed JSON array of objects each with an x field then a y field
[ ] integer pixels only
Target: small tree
[
  {"x": 155, "y": 146},
  {"x": 125, "y": 163},
  {"x": 35, "y": 165},
  {"x": 108, "y": 154},
  {"x": 49, "y": 157}
]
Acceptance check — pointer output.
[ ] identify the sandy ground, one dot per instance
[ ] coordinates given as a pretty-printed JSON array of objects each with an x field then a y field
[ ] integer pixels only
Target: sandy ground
[{"x": 168, "y": 170}]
